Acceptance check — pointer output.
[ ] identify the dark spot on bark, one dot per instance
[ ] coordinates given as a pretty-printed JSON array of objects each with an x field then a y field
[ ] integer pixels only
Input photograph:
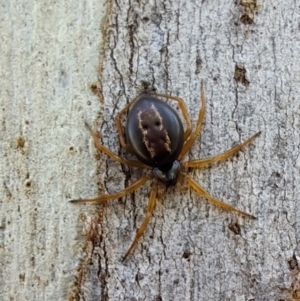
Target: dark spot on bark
[
  {"x": 186, "y": 255},
  {"x": 21, "y": 142},
  {"x": 22, "y": 277},
  {"x": 246, "y": 19},
  {"x": 240, "y": 75},
  {"x": 199, "y": 64},
  {"x": 296, "y": 294},
  {"x": 293, "y": 264},
  {"x": 235, "y": 228},
  {"x": 147, "y": 87}
]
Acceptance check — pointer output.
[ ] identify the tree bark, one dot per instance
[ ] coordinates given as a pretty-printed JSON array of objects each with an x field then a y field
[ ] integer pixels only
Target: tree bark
[
  {"x": 49, "y": 58},
  {"x": 247, "y": 55}
]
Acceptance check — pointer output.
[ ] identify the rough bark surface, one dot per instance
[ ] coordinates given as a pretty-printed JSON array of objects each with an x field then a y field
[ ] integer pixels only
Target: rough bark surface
[{"x": 247, "y": 54}]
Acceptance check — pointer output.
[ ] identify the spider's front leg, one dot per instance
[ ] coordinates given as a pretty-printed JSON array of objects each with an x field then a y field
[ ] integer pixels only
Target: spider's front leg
[
  {"x": 119, "y": 125},
  {"x": 133, "y": 163},
  {"x": 150, "y": 208},
  {"x": 191, "y": 139}
]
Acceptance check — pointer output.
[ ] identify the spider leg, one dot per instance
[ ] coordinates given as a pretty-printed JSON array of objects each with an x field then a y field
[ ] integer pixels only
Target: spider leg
[
  {"x": 200, "y": 163},
  {"x": 151, "y": 205},
  {"x": 119, "y": 125},
  {"x": 104, "y": 198},
  {"x": 200, "y": 191},
  {"x": 191, "y": 139},
  {"x": 109, "y": 153},
  {"x": 180, "y": 184},
  {"x": 183, "y": 110}
]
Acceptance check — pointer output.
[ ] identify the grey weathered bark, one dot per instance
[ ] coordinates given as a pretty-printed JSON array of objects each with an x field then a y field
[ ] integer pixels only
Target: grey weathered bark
[
  {"x": 49, "y": 58},
  {"x": 247, "y": 54}
]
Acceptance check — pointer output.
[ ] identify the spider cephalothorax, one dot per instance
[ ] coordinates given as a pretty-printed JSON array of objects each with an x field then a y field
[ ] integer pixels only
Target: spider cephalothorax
[{"x": 155, "y": 135}]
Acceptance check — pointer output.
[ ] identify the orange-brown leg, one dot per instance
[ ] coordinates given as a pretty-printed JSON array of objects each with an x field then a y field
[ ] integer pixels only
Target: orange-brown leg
[
  {"x": 189, "y": 143},
  {"x": 200, "y": 191},
  {"x": 151, "y": 205},
  {"x": 108, "y": 197},
  {"x": 109, "y": 153},
  {"x": 119, "y": 125},
  {"x": 200, "y": 163},
  {"x": 180, "y": 184}
]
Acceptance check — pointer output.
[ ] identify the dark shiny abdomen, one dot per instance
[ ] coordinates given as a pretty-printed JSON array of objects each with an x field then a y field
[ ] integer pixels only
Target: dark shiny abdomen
[{"x": 154, "y": 132}]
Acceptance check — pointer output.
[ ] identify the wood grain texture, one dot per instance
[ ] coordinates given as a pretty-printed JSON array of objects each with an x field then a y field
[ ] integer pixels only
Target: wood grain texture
[
  {"x": 247, "y": 54},
  {"x": 49, "y": 58}
]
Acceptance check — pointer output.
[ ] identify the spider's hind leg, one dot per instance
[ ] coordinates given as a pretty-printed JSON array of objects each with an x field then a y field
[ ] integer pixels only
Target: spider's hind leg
[
  {"x": 104, "y": 198},
  {"x": 200, "y": 191},
  {"x": 151, "y": 205},
  {"x": 119, "y": 125}
]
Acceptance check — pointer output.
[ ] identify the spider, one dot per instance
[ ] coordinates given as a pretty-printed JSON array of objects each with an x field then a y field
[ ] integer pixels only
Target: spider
[{"x": 155, "y": 135}]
